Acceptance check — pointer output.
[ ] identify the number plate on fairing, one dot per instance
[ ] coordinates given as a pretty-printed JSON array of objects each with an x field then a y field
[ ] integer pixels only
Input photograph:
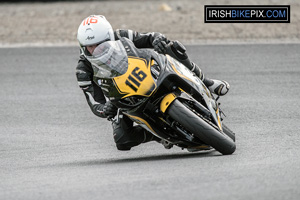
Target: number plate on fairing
[{"x": 137, "y": 80}]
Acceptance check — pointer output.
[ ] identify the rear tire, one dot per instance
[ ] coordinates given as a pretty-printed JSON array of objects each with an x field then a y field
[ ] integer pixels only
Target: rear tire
[{"x": 204, "y": 131}]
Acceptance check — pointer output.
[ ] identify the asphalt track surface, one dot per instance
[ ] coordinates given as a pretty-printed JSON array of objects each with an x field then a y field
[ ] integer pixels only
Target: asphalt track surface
[{"x": 53, "y": 147}]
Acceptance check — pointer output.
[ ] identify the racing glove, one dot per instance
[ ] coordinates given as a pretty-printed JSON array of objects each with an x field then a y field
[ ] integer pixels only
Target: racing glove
[
  {"x": 160, "y": 44},
  {"x": 109, "y": 109}
]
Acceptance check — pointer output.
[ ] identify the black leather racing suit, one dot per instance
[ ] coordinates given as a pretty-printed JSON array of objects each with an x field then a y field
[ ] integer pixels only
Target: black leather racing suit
[{"x": 125, "y": 134}]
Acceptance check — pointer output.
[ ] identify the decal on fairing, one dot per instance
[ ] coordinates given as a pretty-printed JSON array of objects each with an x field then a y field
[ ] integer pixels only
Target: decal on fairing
[{"x": 137, "y": 80}]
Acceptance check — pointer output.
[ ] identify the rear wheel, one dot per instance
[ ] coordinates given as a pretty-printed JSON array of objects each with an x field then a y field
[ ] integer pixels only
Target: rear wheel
[{"x": 200, "y": 128}]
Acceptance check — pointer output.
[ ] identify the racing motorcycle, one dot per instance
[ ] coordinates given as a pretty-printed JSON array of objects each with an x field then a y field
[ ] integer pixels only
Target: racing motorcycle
[{"x": 161, "y": 94}]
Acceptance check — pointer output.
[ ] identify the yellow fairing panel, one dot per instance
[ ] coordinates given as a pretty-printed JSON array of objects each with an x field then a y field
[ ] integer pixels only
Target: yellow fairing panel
[
  {"x": 167, "y": 100},
  {"x": 137, "y": 80},
  {"x": 219, "y": 121}
]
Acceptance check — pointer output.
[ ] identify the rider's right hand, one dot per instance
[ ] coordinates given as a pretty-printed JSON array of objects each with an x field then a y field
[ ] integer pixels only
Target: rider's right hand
[{"x": 109, "y": 109}]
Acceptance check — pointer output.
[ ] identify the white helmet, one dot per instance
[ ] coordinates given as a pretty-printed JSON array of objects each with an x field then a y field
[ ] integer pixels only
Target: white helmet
[{"x": 94, "y": 30}]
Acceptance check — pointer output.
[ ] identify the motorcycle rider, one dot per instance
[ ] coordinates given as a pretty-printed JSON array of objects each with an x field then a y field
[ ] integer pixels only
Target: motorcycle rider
[{"x": 94, "y": 30}]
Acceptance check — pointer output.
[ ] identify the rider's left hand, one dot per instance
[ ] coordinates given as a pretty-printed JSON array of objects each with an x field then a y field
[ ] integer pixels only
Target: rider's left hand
[
  {"x": 110, "y": 110},
  {"x": 160, "y": 44}
]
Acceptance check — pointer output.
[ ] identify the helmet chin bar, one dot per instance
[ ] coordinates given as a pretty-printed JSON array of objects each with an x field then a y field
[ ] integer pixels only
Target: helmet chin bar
[{"x": 84, "y": 50}]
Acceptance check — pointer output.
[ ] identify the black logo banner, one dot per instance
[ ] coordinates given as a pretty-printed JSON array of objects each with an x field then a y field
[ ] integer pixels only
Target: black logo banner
[{"x": 246, "y": 14}]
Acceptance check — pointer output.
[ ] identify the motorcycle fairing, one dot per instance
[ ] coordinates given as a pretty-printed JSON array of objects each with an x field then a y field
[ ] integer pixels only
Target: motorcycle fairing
[{"x": 195, "y": 82}]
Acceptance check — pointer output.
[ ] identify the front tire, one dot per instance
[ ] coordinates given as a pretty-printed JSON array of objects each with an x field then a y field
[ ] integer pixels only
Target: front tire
[{"x": 204, "y": 131}]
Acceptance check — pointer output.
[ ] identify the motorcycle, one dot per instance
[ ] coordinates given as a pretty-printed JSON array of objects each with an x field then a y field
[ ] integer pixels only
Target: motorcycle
[{"x": 159, "y": 93}]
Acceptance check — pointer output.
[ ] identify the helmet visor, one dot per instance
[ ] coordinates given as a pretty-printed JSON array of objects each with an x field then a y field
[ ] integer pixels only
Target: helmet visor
[{"x": 109, "y": 59}]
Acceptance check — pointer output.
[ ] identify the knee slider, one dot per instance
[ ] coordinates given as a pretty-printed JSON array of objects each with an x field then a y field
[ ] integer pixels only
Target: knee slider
[{"x": 123, "y": 147}]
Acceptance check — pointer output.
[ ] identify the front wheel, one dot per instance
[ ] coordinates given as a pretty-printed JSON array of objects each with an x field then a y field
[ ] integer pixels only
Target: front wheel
[{"x": 200, "y": 128}]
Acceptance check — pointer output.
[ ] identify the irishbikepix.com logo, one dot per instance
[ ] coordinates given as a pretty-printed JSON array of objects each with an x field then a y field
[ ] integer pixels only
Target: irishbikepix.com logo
[{"x": 246, "y": 14}]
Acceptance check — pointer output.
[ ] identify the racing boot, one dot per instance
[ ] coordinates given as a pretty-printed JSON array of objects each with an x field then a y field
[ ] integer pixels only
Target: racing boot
[{"x": 217, "y": 87}]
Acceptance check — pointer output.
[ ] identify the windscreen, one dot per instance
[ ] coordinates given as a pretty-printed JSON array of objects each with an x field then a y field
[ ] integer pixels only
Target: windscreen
[{"x": 109, "y": 59}]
